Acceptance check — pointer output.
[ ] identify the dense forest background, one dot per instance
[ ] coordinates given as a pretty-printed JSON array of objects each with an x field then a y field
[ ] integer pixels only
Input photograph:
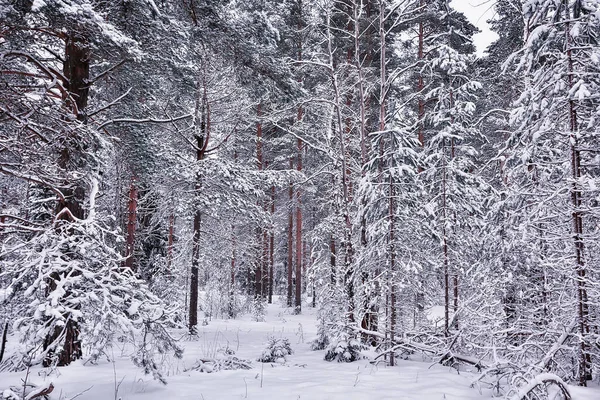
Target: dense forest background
[{"x": 161, "y": 158}]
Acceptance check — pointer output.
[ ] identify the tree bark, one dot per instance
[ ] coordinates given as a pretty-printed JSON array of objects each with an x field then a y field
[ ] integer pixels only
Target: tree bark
[
  {"x": 298, "y": 297},
  {"x": 348, "y": 273},
  {"x": 170, "y": 242},
  {"x": 577, "y": 224},
  {"x": 272, "y": 246},
  {"x": 261, "y": 233},
  {"x": 76, "y": 70},
  {"x": 290, "y": 241},
  {"x": 231, "y": 306},
  {"x": 202, "y": 135},
  {"x": 131, "y": 225}
]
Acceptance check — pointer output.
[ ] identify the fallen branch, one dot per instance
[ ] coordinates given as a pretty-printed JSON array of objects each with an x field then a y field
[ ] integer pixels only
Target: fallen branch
[
  {"x": 209, "y": 365},
  {"x": 43, "y": 391},
  {"x": 542, "y": 380},
  {"x": 407, "y": 344}
]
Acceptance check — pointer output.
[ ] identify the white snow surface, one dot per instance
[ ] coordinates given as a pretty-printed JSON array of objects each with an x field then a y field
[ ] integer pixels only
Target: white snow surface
[{"x": 305, "y": 375}]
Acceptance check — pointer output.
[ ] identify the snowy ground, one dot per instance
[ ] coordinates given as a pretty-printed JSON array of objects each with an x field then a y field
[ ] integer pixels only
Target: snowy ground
[{"x": 304, "y": 376}]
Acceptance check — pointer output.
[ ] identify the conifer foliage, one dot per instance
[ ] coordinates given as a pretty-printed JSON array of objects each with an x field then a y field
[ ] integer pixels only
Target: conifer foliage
[{"x": 166, "y": 163}]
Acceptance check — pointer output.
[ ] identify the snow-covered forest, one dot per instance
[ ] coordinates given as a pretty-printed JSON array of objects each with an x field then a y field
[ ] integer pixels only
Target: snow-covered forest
[{"x": 323, "y": 199}]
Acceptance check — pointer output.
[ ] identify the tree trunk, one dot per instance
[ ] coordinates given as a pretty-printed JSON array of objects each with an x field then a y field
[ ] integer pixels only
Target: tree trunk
[
  {"x": 261, "y": 233},
  {"x": 170, "y": 242},
  {"x": 332, "y": 259},
  {"x": 290, "y": 241},
  {"x": 348, "y": 273},
  {"x": 585, "y": 373},
  {"x": 298, "y": 297},
  {"x": 299, "y": 252},
  {"x": 231, "y": 306},
  {"x": 202, "y": 135},
  {"x": 131, "y": 224},
  {"x": 445, "y": 245},
  {"x": 420, "y": 83},
  {"x": 193, "y": 310},
  {"x": 76, "y": 69},
  {"x": 391, "y": 202},
  {"x": 272, "y": 246}
]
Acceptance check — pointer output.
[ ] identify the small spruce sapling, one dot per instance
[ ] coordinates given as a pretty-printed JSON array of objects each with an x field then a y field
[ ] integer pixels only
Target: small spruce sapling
[
  {"x": 344, "y": 348},
  {"x": 277, "y": 350}
]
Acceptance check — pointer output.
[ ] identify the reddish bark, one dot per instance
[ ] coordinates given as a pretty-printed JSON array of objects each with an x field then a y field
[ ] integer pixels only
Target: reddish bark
[
  {"x": 76, "y": 69},
  {"x": 131, "y": 225},
  {"x": 585, "y": 373},
  {"x": 290, "y": 242},
  {"x": 298, "y": 297},
  {"x": 272, "y": 246}
]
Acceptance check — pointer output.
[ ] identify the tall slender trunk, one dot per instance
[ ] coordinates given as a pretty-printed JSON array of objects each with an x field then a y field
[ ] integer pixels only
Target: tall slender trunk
[
  {"x": 332, "y": 259},
  {"x": 420, "y": 295},
  {"x": 170, "y": 242},
  {"x": 392, "y": 249},
  {"x": 582, "y": 306},
  {"x": 348, "y": 273},
  {"x": 272, "y": 247},
  {"x": 455, "y": 223},
  {"x": 445, "y": 242},
  {"x": 298, "y": 297},
  {"x": 369, "y": 319},
  {"x": 131, "y": 224},
  {"x": 231, "y": 306},
  {"x": 290, "y": 241},
  {"x": 261, "y": 234},
  {"x": 76, "y": 70},
  {"x": 299, "y": 252},
  {"x": 392, "y": 200},
  {"x": 202, "y": 136},
  {"x": 420, "y": 82}
]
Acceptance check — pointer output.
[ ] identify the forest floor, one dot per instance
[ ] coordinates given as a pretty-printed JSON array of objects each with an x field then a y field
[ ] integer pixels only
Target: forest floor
[{"x": 305, "y": 375}]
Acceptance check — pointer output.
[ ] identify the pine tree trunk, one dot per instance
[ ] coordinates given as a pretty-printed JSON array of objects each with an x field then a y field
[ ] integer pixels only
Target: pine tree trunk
[
  {"x": 445, "y": 243},
  {"x": 420, "y": 83},
  {"x": 170, "y": 242},
  {"x": 299, "y": 252},
  {"x": 272, "y": 247},
  {"x": 299, "y": 263},
  {"x": 231, "y": 306},
  {"x": 261, "y": 233},
  {"x": 202, "y": 136},
  {"x": 76, "y": 69},
  {"x": 577, "y": 225},
  {"x": 332, "y": 259},
  {"x": 392, "y": 202},
  {"x": 131, "y": 224},
  {"x": 290, "y": 242},
  {"x": 420, "y": 295}
]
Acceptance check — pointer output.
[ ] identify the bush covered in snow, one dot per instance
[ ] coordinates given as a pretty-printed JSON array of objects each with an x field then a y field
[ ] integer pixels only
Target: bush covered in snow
[
  {"x": 322, "y": 340},
  {"x": 257, "y": 309},
  {"x": 344, "y": 349},
  {"x": 277, "y": 350},
  {"x": 224, "y": 363}
]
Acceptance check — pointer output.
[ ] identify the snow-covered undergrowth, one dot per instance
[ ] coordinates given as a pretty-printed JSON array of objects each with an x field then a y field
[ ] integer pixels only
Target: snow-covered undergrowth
[{"x": 225, "y": 348}]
